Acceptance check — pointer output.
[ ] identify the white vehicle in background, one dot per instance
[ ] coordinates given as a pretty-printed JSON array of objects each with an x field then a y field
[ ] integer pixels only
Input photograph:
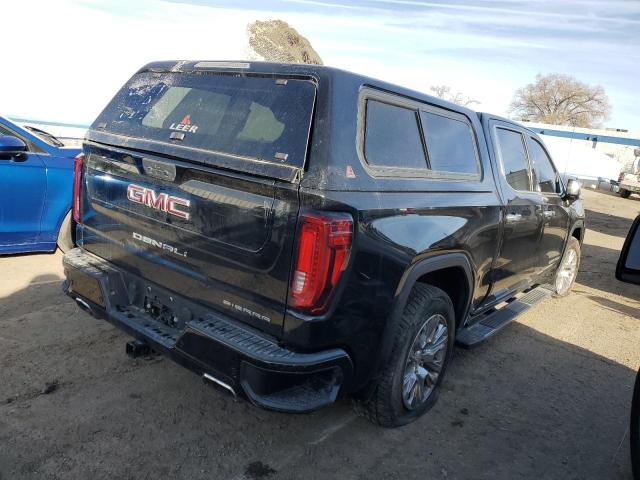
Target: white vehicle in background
[
  {"x": 580, "y": 161},
  {"x": 628, "y": 182}
]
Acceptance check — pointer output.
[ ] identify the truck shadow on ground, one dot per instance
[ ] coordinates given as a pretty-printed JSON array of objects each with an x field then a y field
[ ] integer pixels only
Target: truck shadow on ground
[
  {"x": 523, "y": 404},
  {"x": 42, "y": 290},
  {"x": 598, "y": 270},
  {"x": 616, "y": 306},
  {"x": 608, "y": 224}
]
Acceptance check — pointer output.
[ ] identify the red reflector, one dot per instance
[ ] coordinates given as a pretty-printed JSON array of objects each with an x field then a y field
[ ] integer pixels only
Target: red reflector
[
  {"x": 324, "y": 242},
  {"x": 77, "y": 185}
]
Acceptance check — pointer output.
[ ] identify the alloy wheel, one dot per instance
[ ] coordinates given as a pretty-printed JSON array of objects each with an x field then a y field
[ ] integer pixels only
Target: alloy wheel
[
  {"x": 567, "y": 271},
  {"x": 425, "y": 361}
]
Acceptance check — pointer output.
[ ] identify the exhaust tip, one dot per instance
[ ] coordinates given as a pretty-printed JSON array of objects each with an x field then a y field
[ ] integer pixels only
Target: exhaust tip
[
  {"x": 84, "y": 305},
  {"x": 210, "y": 379}
]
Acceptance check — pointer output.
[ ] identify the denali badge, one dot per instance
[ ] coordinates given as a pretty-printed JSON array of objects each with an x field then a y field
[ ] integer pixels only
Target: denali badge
[
  {"x": 158, "y": 201},
  {"x": 159, "y": 244}
]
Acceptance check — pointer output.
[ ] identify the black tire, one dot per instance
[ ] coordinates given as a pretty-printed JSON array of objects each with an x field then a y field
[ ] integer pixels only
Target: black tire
[
  {"x": 384, "y": 404},
  {"x": 624, "y": 193},
  {"x": 65, "y": 235},
  {"x": 572, "y": 245}
]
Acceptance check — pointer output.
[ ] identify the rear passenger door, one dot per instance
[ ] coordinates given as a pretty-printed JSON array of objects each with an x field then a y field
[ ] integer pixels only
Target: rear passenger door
[
  {"x": 517, "y": 264},
  {"x": 555, "y": 216},
  {"x": 436, "y": 193}
]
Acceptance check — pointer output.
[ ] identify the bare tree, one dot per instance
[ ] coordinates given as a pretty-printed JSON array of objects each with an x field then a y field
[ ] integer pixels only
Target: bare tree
[
  {"x": 444, "y": 92},
  {"x": 277, "y": 41},
  {"x": 561, "y": 100}
]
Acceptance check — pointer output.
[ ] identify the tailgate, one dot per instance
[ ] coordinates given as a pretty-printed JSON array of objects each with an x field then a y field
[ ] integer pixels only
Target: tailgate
[{"x": 219, "y": 238}]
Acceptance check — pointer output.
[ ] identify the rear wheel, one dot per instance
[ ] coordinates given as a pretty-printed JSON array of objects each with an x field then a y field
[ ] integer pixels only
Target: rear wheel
[
  {"x": 624, "y": 193},
  {"x": 423, "y": 344},
  {"x": 65, "y": 235},
  {"x": 568, "y": 269}
]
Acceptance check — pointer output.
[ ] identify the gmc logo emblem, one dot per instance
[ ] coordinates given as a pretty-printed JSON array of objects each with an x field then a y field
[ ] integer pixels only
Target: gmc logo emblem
[{"x": 158, "y": 201}]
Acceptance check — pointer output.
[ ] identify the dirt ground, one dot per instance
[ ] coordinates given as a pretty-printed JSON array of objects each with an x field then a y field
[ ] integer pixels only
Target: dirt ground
[{"x": 548, "y": 397}]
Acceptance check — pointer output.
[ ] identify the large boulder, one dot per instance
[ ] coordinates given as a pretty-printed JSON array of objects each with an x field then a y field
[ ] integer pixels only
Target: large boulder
[{"x": 277, "y": 41}]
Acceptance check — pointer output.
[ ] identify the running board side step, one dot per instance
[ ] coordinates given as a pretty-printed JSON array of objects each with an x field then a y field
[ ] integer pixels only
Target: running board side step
[{"x": 497, "y": 319}]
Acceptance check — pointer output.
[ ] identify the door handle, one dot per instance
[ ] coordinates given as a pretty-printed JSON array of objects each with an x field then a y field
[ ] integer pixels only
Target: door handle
[{"x": 513, "y": 217}]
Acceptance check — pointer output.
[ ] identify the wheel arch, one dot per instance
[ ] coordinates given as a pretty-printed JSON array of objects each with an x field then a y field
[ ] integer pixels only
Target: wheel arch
[
  {"x": 441, "y": 271},
  {"x": 577, "y": 230},
  {"x": 448, "y": 270}
]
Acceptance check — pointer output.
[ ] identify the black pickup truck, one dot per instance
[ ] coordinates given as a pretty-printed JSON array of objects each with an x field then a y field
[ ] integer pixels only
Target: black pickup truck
[{"x": 293, "y": 232}]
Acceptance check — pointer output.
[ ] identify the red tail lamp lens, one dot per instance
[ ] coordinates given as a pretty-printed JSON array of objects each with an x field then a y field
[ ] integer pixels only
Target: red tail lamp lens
[
  {"x": 77, "y": 185},
  {"x": 324, "y": 243}
]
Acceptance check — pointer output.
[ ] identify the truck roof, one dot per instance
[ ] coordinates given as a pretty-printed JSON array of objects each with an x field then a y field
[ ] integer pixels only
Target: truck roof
[
  {"x": 320, "y": 72},
  {"x": 507, "y": 120}
]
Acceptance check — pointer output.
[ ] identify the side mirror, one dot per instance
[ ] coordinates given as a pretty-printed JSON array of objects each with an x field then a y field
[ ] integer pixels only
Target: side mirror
[
  {"x": 11, "y": 146},
  {"x": 573, "y": 189},
  {"x": 628, "y": 268}
]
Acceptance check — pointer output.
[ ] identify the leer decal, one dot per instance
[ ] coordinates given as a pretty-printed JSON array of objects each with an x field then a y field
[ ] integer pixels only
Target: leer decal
[{"x": 184, "y": 125}]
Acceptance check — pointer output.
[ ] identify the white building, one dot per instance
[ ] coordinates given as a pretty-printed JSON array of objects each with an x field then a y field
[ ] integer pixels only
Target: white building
[{"x": 589, "y": 153}]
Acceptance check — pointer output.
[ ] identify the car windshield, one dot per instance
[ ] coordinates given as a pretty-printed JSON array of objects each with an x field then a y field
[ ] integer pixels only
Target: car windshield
[{"x": 45, "y": 136}]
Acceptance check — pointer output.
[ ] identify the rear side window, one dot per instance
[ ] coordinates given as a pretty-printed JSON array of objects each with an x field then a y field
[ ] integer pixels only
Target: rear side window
[
  {"x": 392, "y": 137},
  {"x": 248, "y": 116},
  {"x": 545, "y": 176},
  {"x": 450, "y": 144},
  {"x": 419, "y": 137},
  {"x": 514, "y": 158}
]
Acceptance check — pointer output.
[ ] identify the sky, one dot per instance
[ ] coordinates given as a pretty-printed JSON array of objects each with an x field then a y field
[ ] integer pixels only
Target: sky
[{"x": 72, "y": 56}]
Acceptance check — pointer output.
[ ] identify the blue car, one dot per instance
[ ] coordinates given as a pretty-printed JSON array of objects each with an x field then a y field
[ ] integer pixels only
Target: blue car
[{"x": 36, "y": 182}]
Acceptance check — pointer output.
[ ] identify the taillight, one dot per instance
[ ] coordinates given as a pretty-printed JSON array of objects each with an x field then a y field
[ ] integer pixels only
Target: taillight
[
  {"x": 324, "y": 243},
  {"x": 77, "y": 185},
  {"x": 621, "y": 177}
]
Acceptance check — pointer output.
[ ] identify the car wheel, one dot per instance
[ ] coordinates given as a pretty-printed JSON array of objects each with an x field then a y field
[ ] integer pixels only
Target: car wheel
[
  {"x": 624, "y": 193},
  {"x": 422, "y": 347},
  {"x": 568, "y": 269},
  {"x": 65, "y": 235}
]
